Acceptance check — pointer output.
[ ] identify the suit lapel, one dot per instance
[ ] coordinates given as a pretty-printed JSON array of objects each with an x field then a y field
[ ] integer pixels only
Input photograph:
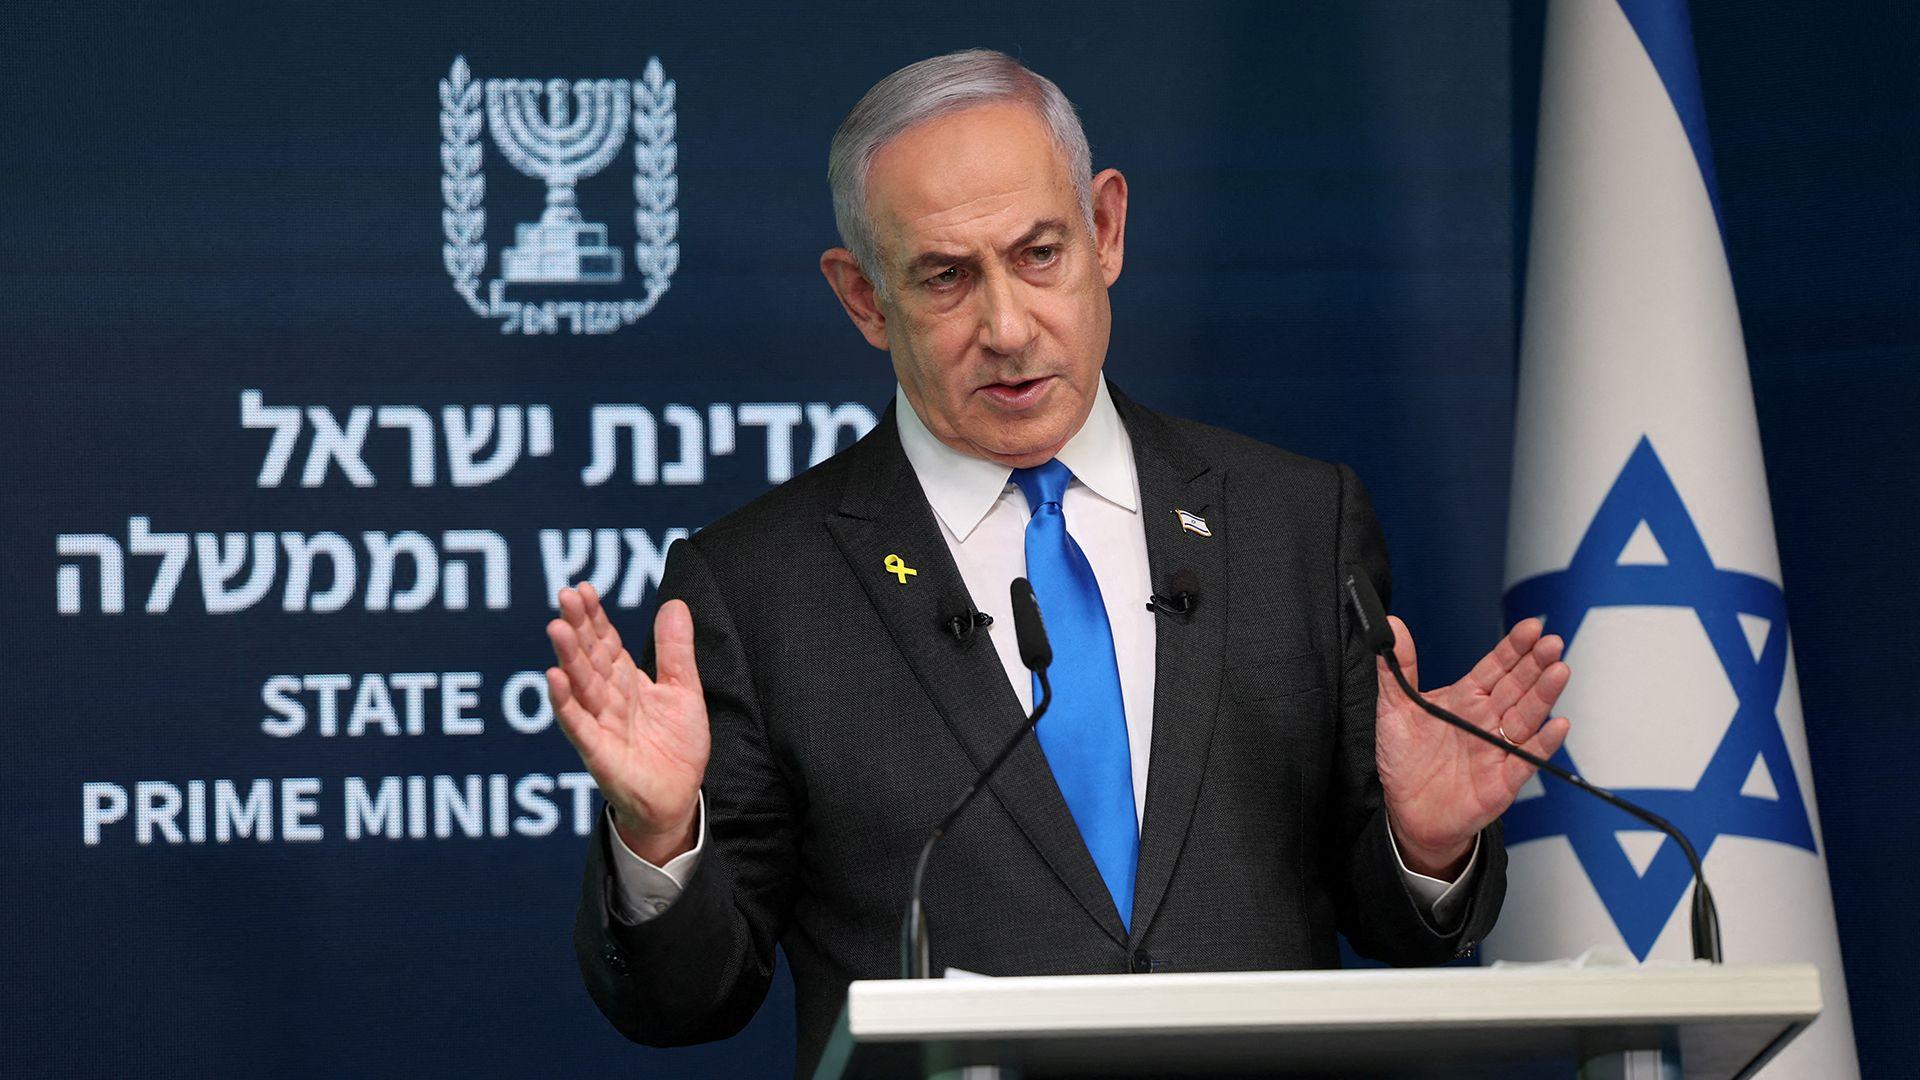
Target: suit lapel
[
  {"x": 885, "y": 512},
  {"x": 1189, "y": 651}
]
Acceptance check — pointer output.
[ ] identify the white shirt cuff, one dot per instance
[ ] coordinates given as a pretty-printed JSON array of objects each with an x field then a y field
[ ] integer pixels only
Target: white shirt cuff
[
  {"x": 644, "y": 890},
  {"x": 1440, "y": 901}
]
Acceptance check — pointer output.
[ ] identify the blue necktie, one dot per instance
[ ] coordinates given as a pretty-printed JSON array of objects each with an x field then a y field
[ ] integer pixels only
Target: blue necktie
[{"x": 1084, "y": 734}]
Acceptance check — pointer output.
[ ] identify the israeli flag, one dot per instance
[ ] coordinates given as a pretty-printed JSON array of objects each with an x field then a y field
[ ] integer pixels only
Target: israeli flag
[{"x": 1640, "y": 531}]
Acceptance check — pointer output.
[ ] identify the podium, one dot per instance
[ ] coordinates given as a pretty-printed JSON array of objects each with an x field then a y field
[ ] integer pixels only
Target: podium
[{"x": 1700, "y": 1021}]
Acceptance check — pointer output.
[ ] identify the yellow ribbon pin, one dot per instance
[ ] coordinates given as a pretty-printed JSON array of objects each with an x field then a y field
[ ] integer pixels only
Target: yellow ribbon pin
[{"x": 898, "y": 568}]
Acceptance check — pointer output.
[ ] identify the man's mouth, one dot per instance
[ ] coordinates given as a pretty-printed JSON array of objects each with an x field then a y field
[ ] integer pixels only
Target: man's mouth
[{"x": 1019, "y": 394}]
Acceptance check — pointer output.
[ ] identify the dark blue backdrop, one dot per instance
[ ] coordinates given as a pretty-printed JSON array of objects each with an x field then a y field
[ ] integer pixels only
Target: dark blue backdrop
[
  {"x": 1328, "y": 205},
  {"x": 1815, "y": 116}
]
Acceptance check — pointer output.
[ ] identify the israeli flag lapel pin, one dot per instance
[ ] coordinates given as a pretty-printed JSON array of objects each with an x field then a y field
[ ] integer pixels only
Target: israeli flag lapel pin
[{"x": 1193, "y": 523}]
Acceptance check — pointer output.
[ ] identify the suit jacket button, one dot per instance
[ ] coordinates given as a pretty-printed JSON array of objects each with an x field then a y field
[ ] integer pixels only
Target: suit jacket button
[{"x": 1142, "y": 962}]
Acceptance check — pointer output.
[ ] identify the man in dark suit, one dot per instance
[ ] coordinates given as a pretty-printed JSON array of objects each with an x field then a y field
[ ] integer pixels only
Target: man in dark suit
[{"x": 1223, "y": 788}]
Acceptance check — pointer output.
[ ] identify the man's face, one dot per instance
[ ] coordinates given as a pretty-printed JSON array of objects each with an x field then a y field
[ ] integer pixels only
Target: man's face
[{"x": 996, "y": 315}]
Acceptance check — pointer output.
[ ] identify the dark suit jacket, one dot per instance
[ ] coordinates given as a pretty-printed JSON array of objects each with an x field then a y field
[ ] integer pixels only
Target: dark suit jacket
[{"x": 846, "y": 720}]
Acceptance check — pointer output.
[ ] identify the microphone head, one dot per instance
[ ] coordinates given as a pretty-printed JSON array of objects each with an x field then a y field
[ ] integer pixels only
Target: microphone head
[
  {"x": 1028, "y": 629},
  {"x": 1369, "y": 617},
  {"x": 1186, "y": 583}
]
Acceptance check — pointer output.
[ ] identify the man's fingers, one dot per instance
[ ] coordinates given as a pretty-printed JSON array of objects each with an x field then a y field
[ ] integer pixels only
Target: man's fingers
[
  {"x": 1403, "y": 651},
  {"x": 1544, "y": 744},
  {"x": 566, "y": 643},
  {"x": 626, "y": 675},
  {"x": 587, "y": 684},
  {"x": 573, "y": 608},
  {"x": 597, "y": 616},
  {"x": 579, "y": 726},
  {"x": 1512, "y": 649},
  {"x": 1514, "y": 684},
  {"x": 1525, "y": 716},
  {"x": 673, "y": 645},
  {"x": 604, "y": 682}
]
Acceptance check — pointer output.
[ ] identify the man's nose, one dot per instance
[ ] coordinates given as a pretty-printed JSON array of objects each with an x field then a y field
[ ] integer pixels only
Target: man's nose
[{"x": 1006, "y": 320}]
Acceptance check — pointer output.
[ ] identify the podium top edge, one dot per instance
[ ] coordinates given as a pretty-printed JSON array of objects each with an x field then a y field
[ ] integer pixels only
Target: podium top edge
[{"x": 1222, "y": 1001}]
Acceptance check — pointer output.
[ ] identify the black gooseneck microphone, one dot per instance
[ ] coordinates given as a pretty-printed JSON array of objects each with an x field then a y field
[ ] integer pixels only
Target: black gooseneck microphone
[
  {"x": 1031, "y": 634},
  {"x": 1370, "y": 620}
]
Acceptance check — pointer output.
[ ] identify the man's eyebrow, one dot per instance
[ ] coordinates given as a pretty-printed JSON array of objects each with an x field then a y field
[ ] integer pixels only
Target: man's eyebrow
[
  {"x": 928, "y": 261},
  {"x": 1040, "y": 229}
]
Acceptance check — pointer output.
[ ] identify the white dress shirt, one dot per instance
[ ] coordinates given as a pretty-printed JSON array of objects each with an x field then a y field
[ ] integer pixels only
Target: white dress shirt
[{"x": 983, "y": 518}]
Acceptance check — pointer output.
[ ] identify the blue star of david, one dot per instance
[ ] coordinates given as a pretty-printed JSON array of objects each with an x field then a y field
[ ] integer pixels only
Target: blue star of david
[{"x": 1641, "y": 904}]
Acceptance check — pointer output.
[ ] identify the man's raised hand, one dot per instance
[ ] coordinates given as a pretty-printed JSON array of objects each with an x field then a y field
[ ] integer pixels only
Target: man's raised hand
[
  {"x": 1441, "y": 784},
  {"x": 644, "y": 740}
]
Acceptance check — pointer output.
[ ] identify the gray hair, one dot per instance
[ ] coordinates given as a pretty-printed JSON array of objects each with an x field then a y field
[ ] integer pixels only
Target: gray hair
[{"x": 927, "y": 90}]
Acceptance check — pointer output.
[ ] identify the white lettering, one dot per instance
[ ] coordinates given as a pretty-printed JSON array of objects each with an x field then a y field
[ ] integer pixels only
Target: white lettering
[
  {"x": 155, "y": 805},
  {"x": 280, "y": 693},
  {"x": 458, "y": 693},
  {"x": 582, "y": 786},
  {"x": 530, "y": 794},
  {"x": 101, "y": 803},
  {"x": 513, "y": 699},
  {"x": 297, "y": 805}
]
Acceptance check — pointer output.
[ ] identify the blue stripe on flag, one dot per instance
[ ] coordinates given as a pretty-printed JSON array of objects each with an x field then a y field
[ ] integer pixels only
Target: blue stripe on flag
[{"x": 1666, "y": 32}]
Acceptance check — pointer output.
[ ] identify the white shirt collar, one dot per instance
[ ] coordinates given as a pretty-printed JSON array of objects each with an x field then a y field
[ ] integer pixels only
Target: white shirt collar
[{"x": 962, "y": 489}]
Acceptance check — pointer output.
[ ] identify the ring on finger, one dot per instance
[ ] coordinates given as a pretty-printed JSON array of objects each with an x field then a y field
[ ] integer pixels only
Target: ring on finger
[{"x": 1501, "y": 729}]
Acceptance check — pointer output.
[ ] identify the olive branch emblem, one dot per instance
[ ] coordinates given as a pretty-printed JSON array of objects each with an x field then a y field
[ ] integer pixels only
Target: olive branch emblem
[
  {"x": 655, "y": 186},
  {"x": 463, "y": 220}
]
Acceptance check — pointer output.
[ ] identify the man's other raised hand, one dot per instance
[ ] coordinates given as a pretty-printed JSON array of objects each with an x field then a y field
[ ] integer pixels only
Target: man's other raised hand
[{"x": 645, "y": 740}]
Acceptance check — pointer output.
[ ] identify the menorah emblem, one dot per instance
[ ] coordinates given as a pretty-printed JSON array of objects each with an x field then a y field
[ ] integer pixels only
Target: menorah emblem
[
  {"x": 561, "y": 246},
  {"x": 559, "y": 131}
]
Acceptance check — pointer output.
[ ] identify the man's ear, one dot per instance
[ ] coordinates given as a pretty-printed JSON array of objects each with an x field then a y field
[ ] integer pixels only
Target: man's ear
[
  {"x": 856, "y": 294},
  {"x": 1110, "y": 222}
]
